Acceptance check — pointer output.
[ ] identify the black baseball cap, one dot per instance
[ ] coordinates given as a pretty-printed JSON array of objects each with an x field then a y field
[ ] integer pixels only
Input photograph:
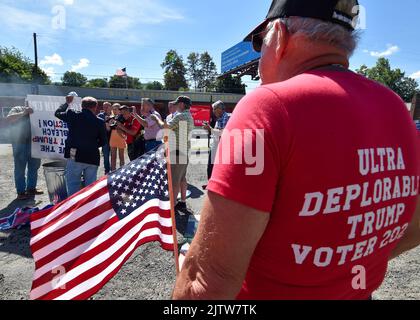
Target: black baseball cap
[
  {"x": 341, "y": 12},
  {"x": 124, "y": 107},
  {"x": 183, "y": 99}
]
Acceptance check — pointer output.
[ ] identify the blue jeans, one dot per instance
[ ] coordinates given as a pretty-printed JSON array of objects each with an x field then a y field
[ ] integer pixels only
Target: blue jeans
[
  {"x": 106, "y": 150},
  {"x": 74, "y": 172},
  {"x": 151, "y": 144},
  {"x": 22, "y": 158}
]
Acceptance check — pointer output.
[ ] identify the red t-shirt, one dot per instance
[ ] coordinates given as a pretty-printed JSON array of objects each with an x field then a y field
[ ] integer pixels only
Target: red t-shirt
[
  {"x": 132, "y": 124},
  {"x": 338, "y": 176}
]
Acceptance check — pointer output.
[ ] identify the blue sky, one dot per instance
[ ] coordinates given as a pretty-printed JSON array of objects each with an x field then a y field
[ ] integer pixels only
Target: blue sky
[{"x": 96, "y": 37}]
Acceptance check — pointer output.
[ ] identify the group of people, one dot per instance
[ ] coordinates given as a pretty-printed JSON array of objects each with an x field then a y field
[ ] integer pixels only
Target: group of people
[{"x": 116, "y": 129}]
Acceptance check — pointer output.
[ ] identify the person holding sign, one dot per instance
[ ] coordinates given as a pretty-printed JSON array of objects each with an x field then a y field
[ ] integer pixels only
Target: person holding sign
[
  {"x": 20, "y": 133},
  {"x": 87, "y": 134}
]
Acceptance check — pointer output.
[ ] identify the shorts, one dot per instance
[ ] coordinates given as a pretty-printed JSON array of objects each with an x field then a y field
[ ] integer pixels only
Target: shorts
[
  {"x": 179, "y": 173},
  {"x": 117, "y": 141}
]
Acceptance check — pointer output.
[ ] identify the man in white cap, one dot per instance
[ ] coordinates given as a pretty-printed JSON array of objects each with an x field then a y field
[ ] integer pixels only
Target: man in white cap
[{"x": 70, "y": 97}]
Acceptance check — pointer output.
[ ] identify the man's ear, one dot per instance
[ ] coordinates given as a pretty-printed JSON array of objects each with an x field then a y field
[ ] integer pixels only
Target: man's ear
[{"x": 282, "y": 39}]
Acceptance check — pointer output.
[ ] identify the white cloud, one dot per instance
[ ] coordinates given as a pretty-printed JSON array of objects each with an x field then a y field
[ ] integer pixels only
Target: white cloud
[
  {"x": 50, "y": 71},
  {"x": 389, "y": 52},
  {"x": 83, "y": 63},
  {"x": 55, "y": 59},
  {"x": 22, "y": 20},
  {"x": 120, "y": 21},
  {"x": 416, "y": 75}
]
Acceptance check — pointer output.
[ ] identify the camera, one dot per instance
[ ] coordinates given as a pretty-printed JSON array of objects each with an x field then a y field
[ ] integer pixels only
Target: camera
[{"x": 113, "y": 121}]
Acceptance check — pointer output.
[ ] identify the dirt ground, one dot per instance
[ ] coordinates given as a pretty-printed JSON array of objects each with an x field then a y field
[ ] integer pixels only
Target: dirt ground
[{"x": 149, "y": 274}]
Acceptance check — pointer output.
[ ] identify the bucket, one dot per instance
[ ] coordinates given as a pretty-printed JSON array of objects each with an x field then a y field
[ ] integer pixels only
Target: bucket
[{"x": 56, "y": 182}]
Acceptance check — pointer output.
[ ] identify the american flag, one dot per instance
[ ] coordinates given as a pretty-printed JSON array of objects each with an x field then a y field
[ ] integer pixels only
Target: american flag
[
  {"x": 80, "y": 244},
  {"x": 121, "y": 72}
]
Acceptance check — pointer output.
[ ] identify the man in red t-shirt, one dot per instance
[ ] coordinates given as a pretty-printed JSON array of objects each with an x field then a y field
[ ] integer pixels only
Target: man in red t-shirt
[
  {"x": 318, "y": 178},
  {"x": 131, "y": 127}
]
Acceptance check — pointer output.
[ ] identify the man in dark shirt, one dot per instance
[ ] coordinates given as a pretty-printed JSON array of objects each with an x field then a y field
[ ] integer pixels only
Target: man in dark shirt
[
  {"x": 20, "y": 134},
  {"x": 87, "y": 134}
]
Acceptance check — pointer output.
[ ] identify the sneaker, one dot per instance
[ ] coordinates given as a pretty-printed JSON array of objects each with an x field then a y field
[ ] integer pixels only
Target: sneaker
[
  {"x": 22, "y": 196},
  {"x": 34, "y": 192}
]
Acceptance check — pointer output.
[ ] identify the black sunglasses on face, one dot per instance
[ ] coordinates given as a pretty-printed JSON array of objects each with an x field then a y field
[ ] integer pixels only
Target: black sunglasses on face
[{"x": 257, "y": 40}]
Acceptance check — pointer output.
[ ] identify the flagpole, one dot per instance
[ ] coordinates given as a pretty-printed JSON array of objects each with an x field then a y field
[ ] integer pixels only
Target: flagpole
[{"x": 172, "y": 201}]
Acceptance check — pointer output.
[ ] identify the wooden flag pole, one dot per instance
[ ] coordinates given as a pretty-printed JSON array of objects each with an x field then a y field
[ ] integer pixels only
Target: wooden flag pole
[{"x": 172, "y": 200}]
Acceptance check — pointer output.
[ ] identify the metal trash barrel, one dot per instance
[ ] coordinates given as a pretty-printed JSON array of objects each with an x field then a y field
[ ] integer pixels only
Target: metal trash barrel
[{"x": 54, "y": 173}]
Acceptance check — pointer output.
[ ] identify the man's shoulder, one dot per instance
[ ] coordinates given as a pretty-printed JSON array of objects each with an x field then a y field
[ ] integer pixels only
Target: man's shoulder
[
  {"x": 101, "y": 116},
  {"x": 100, "y": 121},
  {"x": 157, "y": 114}
]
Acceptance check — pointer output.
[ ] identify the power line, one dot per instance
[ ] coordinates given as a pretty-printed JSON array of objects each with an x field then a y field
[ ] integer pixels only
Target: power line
[{"x": 106, "y": 42}]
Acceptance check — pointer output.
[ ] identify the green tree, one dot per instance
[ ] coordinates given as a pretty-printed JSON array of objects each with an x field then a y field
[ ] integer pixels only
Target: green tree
[
  {"x": 193, "y": 69},
  {"x": 394, "y": 79},
  {"x": 73, "y": 79},
  {"x": 208, "y": 72},
  {"x": 15, "y": 67},
  {"x": 230, "y": 84},
  {"x": 155, "y": 85},
  {"x": 174, "y": 71},
  {"x": 97, "y": 83},
  {"x": 122, "y": 82}
]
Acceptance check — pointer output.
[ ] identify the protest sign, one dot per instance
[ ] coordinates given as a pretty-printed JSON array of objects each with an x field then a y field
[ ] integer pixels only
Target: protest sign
[
  {"x": 200, "y": 115},
  {"x": 49, "y": 134}
]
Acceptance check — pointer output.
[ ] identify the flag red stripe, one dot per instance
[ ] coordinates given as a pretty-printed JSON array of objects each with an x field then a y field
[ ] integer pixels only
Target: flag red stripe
[
  {"x": 87, "y": 236},
  {"x": 48, "y": 276},
  {"x": 87, "y": 294},
  {"x": 66, "y": 229},
  {"x": 42, "y": 214},
  {"x": 78, "y": 205},
  {"x": 96, "y": 269},
  {"x": 90, "y": 235},
  {"x": 88, "y": 255}
]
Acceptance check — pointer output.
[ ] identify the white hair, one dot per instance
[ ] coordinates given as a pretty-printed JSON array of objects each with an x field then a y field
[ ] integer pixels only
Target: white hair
[{"x": 318, "y": 31}]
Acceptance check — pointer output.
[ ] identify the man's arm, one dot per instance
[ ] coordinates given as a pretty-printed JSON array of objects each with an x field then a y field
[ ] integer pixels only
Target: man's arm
[
  {"x": 131, "y": 132},
  {"x": 62, "y": 113},
  {"x": 140, "y": 119},
  {"x": 217, "y": 262},
  {"x": 103, "y": 139},
  {"x": 161, "y": 123},
  {"x": 13, "y": 117},
  {"x": 411, "y": 238}
]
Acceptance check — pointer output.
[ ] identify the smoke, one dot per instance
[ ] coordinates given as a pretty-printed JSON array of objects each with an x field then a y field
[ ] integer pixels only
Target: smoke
[{"x": 4, "y": 132}]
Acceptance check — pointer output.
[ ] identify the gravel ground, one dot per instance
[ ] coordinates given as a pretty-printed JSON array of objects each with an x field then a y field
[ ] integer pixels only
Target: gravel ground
[{"x": 150, "y": 273}]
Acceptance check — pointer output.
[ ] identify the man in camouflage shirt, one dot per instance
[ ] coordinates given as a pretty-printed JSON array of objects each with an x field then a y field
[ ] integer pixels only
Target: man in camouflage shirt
[{"x": 180, "y": 126}]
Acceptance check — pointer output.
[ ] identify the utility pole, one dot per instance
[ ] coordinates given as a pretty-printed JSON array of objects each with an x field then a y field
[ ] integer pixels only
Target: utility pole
[
  {"x": 36, "y": 51},
  {"x": 35, "y": 70}
]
